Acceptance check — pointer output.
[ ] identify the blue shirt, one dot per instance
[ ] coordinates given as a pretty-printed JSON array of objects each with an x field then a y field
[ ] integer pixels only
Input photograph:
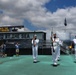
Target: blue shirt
[{"x": 17, "y": 46}]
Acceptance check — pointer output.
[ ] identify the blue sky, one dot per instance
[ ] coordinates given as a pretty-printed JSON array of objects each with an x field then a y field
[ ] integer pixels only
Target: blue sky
[
  {"x": 53, "y": 5},
  {"x": 38, "y": 14},
  {"x": 31, "y": 27}
]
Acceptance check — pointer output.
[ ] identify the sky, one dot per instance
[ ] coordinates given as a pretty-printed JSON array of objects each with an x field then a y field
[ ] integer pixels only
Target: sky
[{"x": 39, "y": 14}]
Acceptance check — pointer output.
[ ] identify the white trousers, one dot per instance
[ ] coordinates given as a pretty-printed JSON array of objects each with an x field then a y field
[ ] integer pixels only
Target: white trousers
[
  {"x": 58, "y": 52},
  {"x": 55, "y": 54},
  {"x": 75, "y": 51},
  {"x": 35, "y": 52}
]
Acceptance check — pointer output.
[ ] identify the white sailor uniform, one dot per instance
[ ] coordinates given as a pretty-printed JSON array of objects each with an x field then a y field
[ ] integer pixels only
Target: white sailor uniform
[
  {"x": 56, "y": 53},
  {"x": 74, "y": 40},
  {"x": 35, "y": 49}
]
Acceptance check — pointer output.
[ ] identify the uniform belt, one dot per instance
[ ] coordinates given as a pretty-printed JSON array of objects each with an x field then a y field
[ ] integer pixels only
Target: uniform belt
[{"x": 55, "y": 45}]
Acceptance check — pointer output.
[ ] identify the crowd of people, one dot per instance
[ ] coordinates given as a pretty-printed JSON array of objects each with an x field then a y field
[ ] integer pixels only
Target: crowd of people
[{"x": 3, "y": 49}]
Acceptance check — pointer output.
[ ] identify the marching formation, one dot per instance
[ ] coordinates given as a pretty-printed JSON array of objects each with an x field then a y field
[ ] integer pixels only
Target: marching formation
[{"x": 55, "y": 48}]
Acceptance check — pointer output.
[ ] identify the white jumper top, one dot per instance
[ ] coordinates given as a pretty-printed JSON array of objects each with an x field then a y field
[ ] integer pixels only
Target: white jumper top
[
  {"x": 56, "y": 43},
  {"x": 74, "y": 40},
  {"x": 35, "y": 42}
]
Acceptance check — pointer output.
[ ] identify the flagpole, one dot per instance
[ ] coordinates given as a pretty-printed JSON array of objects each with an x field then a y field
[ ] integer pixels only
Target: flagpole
[{"x": 65, "y": 23}]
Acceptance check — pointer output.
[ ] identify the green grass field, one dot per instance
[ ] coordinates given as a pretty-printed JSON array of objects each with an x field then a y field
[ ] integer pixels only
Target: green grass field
[{"x": 23, "y": 65}]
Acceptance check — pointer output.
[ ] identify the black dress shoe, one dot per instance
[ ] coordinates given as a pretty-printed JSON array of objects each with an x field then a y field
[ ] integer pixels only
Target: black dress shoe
[
  {"x": 55, "y": 65},
  {"x": 58, "y": 59},
  {"x": 34, "y": 61},
  {"x": 75, "y": 61}
]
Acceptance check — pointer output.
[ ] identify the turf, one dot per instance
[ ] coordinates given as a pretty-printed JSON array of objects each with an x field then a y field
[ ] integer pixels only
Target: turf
[{"x": 23, "y": 65}]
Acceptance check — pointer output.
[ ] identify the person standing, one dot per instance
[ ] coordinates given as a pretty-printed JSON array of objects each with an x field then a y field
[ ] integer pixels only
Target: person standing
[
  {"x": 74, "y": 40},
  {"x": 17, "y": 49},
  {"x": 60, "y": 44},
  {"x": 3, "y": 49},
  {"x": 35, "y": 42},
  {"x": 56, "y": 47}
]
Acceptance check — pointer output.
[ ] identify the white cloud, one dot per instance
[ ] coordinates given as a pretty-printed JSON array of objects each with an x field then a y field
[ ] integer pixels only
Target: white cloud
[
  {"x": 7, "y": 20},
  {"x": 22, "y": 9},
  {"x": 15, "y": 11},
  {"x": 63, "y": 35},
  {"x": 23, "y": 29}
]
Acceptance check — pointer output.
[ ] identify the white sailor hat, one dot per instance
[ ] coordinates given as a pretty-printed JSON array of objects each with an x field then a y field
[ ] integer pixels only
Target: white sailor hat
[{"x": 35, "y": 35}]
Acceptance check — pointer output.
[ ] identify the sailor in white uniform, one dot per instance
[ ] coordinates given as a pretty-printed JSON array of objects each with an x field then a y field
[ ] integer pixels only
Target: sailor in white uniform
[
  {"x": 74, "y": 40},
  {"x": 56, "y": 46},
  {"x": 35, "y": 42},
  {"x": 60, "y": 44}
]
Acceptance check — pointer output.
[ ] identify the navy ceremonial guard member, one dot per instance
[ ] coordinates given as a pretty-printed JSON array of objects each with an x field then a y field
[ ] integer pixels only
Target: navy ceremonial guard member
[
  {"x": 74, "y": 40},
  {"x": 35, "y": 42},
  {"x": 56, "y": 47}
]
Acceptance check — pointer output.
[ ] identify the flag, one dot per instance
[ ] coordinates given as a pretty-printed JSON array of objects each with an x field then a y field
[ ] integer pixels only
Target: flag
[{"x": 65, "y": 22}]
